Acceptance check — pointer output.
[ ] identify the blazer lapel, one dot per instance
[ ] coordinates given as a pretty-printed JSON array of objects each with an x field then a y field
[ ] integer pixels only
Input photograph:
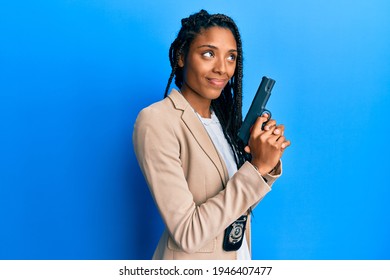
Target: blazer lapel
[{"x": 200, "y": 134}]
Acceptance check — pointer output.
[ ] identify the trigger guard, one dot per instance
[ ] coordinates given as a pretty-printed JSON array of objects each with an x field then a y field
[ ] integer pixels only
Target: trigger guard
[
  {"x": 269, "y": 117},
  {"x": 269, "y": 114}
]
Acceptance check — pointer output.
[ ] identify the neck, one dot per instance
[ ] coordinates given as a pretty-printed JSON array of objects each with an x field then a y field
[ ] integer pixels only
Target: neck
[
  {"x": 200, "y": 104},
  {"x": 206, "y": 113}
]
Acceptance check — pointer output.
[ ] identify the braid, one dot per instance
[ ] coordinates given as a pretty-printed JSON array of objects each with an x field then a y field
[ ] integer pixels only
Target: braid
[
  {"x": 228, "y": 106},
  {"x": 174, "y": 60}
]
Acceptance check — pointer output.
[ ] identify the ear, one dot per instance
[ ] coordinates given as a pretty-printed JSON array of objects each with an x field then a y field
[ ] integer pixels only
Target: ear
[{"x": 181, "y": 61}]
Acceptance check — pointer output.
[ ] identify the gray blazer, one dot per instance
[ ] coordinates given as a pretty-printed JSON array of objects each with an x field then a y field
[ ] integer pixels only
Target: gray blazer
[{"x": 189, "y": 181}]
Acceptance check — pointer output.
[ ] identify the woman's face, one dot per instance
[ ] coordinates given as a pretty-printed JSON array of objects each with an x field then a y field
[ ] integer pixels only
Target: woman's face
[{"x": 209, "y": 65}]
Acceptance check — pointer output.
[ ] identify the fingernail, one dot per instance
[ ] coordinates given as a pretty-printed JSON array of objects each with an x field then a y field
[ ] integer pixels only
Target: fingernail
[
  {"x": 276, "y": 131},
  {"x": 266, "y": 127},
  {"x": 283, "y": 145}
]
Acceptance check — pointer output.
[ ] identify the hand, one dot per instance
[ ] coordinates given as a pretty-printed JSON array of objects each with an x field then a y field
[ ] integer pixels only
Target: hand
[{"x": 266, "y": 146}]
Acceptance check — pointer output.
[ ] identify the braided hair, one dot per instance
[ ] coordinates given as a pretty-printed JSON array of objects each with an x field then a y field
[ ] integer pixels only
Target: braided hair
[{"x": 228, "y": 106}]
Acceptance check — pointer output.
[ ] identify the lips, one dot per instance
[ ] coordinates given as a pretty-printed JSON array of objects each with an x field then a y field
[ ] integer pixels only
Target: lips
[{"x": 220, "y": 83}]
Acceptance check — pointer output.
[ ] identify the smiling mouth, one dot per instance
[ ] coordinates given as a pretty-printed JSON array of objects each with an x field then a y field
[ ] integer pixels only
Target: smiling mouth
[{"x": 220, "y": 83}]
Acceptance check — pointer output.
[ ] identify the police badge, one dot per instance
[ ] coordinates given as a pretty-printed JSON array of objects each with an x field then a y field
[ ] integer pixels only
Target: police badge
[{"x": 234, "y": 234}]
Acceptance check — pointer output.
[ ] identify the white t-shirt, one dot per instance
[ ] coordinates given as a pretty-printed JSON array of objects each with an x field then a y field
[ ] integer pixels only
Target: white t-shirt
[{"x": 214, "y": 129}]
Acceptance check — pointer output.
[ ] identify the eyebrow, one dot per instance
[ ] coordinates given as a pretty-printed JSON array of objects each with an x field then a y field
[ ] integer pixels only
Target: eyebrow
[{"x": 214, "y": 47}]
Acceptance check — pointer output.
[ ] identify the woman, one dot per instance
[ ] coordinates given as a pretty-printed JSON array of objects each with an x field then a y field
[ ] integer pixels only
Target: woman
[{"x": 202, "y": 178}]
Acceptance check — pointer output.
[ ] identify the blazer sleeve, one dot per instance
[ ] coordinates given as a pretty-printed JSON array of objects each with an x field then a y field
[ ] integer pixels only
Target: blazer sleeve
[
  {"x": 191, "y": 226},
  {"x": 270, "y": 178}
]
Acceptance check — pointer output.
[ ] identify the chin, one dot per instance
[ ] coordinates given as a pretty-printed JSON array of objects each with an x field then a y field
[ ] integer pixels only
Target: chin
[{"x": 215, "y": 95}]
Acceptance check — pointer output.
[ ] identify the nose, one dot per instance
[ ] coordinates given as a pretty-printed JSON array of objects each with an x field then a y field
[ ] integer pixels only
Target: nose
[{"x": 220, "y": 66}]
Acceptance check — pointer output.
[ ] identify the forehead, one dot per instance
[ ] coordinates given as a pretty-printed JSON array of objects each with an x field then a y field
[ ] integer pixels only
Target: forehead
[{"x": 216, "y": 36}]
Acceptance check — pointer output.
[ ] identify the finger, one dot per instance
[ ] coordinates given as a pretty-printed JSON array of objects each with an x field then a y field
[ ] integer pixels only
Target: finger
[
  {"x": 256, "y": 129},
  {"x": 247, "y": 150},
  {"x": 279, "y": 142},
  {"x": 285, "y": 144},
  {"x": 279, "y": 130},
  {"x": 269, "y": 124}
]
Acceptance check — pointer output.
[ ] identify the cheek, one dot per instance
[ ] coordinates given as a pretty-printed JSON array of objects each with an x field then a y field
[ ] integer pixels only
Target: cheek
[
  {"x": 232, "y": 69},
  {"x": 195, "y": 70}
]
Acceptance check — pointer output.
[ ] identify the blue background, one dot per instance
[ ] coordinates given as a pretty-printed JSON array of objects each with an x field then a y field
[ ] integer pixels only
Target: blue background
[{"x": 75, "y": 74}]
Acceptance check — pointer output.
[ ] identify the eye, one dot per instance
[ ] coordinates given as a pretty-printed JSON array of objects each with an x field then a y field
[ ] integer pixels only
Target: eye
[
  {"x": 232, "y": 57},
  {"x": 208, "y": 54}
]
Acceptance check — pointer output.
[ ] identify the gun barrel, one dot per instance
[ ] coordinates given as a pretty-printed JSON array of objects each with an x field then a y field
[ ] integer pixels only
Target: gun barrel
[{"x": 257, "y": 107}]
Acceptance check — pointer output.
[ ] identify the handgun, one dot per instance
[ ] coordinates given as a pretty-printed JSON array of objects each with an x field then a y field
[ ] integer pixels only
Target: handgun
[{"x": 257, "y": 108}]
